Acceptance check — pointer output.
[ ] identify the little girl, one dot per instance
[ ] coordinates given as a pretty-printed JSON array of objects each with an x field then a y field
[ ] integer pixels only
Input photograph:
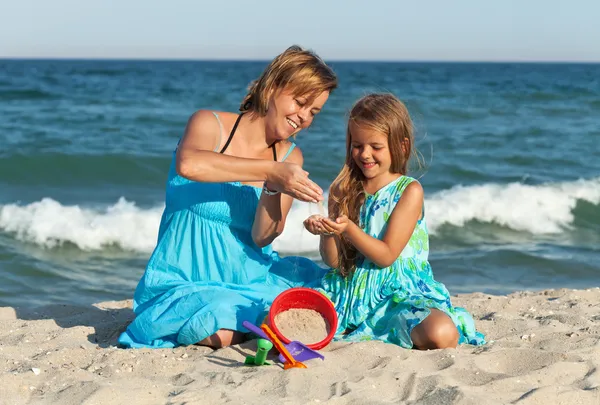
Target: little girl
[{"x": 377, "y": 244}]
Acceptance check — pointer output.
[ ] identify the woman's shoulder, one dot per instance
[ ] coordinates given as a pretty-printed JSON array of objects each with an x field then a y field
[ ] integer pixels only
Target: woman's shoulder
[
  {"x": 205, "y": 128},
  {"x": 210, "y": 117}
]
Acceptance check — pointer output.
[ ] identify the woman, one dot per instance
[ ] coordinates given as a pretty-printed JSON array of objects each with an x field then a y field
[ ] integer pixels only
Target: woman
[{"x": 230, "y": 187}]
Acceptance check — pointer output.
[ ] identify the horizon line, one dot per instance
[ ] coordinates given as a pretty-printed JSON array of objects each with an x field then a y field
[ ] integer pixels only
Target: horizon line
[{"x": 327, "y": 60}]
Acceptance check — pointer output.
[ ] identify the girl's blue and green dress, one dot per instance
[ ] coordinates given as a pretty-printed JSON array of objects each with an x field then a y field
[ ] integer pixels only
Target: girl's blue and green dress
[{"x": 387, "y": 303}]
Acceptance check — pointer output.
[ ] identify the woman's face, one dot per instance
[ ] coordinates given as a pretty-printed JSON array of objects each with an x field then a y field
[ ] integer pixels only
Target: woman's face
[{"x": 288, "y": 114}]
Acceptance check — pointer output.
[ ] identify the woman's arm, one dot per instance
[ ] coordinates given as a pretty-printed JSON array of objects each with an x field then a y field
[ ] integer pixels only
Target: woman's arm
[
  {"x": 197, "y": 161},
  {"x": 272, "y": 210},
  {"x": 400, "y": 227}
]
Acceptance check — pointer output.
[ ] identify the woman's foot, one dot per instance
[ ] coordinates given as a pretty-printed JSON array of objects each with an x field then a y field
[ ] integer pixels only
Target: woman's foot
[{"x": 223, "y": 338}]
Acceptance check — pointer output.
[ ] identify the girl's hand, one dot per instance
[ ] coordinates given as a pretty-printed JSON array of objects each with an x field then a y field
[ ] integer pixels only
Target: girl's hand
[
  {"x": 313, "y": 224},
  {"x": 336, "y": 227},
  {"x": 291, "y": 179}
]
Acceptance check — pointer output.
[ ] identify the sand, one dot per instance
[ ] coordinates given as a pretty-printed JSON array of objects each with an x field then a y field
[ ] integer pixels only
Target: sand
[
  {"x": 543, "y": 349},
  {"x": 304, "y": 325}
]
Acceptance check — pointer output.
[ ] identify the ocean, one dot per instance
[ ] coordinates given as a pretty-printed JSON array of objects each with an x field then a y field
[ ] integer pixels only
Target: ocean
[{"x": 510, "y": 167}]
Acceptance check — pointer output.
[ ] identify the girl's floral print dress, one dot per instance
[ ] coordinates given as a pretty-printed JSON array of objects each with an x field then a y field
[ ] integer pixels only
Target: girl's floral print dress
[{"x": 387, "y": 303}]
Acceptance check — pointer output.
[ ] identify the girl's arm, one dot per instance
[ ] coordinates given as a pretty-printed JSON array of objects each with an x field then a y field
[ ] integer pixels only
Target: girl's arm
[
  {"x": 197, "y": 161},
  {"x": 272, "y": 210},
  {"x": 328, "y": 244},
  {"x": 329, "y": 250},
  {"x": 401, "y": 225}
]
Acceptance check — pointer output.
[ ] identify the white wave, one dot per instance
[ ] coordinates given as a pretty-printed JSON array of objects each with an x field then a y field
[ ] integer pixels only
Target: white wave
[
  {"x": 49, "y": 224},
  {"x": 541, "y": 209}
]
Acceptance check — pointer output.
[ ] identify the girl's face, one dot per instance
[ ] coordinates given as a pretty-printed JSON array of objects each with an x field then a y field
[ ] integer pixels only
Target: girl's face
[
  {"x": 370, "y": 151},
  {"x": 288, "y": 114}
]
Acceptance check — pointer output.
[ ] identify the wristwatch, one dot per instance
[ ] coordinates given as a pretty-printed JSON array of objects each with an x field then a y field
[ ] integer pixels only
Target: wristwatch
[{"x": 266, "y": 190}]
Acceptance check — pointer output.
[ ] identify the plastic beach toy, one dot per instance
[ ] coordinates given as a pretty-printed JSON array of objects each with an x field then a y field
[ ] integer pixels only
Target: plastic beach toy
[
  {"x": 290, "y": 362},
  {"x": 298, "y": 350},
  {"x": 304, "y": 298},
  {"x": 262, "y": 349}
]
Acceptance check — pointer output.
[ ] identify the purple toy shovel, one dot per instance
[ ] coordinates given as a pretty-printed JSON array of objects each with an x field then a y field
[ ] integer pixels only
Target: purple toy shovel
[{"x": 298, "y": 350}]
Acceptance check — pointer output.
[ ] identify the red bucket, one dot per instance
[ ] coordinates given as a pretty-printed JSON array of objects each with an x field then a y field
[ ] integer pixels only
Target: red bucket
[{"x": 304, "y": 298}]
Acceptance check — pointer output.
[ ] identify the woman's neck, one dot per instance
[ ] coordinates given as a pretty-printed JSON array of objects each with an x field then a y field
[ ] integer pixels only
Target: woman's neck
[{"x": 254, "y": 130}]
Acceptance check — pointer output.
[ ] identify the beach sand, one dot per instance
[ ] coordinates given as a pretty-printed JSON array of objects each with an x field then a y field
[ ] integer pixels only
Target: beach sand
[{"x": 543, "y": 348}]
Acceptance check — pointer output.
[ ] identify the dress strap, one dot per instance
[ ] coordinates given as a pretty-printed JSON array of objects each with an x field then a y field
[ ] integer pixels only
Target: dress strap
[
  {"x": 402, "y": 183},
  {"x": 291, "y": 148},
  {"x": 237, "y": 121},
  {"x": 220, "y": 132},
  {"x": 232, "y": 132}
]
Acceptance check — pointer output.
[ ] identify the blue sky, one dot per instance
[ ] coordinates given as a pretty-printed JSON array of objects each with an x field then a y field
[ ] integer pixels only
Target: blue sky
[{"x": 461, "y": 30}]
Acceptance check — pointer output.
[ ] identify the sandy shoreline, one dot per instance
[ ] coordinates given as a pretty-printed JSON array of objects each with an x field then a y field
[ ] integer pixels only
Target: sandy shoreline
[{"x": 544, "y": 348}]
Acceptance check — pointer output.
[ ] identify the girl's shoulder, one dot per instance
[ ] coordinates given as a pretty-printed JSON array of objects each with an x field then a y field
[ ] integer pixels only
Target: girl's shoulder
[
  {"x": 406, "y": 182},
  {"x": 407, "y": 187}
]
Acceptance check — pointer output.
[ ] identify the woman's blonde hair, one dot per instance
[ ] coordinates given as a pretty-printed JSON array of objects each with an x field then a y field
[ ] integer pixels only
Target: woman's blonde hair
[
  {"x": 387, "y": 115},
  {"x": 300, "y": 70}
]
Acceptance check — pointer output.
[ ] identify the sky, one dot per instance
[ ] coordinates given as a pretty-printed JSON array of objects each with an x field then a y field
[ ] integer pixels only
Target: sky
[{"x": 396, "y": 30}]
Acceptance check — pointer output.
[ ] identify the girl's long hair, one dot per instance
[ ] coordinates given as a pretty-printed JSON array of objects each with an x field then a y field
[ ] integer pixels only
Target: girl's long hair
[{"x": 388, "y": 115}]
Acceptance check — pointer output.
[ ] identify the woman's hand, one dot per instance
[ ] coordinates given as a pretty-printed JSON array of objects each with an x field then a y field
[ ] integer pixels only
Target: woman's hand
[
  {"x": 336, "y": 227},
  {"x": 291, "y": 179}
]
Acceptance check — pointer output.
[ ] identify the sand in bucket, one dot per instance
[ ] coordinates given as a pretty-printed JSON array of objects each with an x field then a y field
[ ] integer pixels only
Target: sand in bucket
[{"x": 304, "y": 325}]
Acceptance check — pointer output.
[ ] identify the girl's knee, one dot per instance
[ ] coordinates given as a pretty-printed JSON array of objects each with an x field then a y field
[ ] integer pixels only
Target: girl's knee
[
  {"x": 444, "y": 335},
  {"x": 437, "y": 331}
]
